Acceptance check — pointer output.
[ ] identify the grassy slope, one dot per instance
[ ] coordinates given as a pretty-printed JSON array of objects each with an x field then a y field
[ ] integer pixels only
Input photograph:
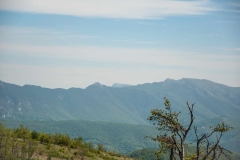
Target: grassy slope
[
  {"x": 56, "y": 152},
  {"x": 21, "y": 143}
]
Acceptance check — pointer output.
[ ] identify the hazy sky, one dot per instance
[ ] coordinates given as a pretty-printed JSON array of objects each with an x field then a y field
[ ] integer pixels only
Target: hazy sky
[{"x": 74, "y": 43}]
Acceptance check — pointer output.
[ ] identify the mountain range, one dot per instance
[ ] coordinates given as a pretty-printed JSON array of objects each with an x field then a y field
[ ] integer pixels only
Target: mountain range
[
  {"x": 116, "y": 116},
  {"x": 118, "y": 103}
]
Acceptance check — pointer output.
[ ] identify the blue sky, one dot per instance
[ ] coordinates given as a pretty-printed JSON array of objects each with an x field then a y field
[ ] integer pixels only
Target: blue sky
[{"x": 74, "y": 43}]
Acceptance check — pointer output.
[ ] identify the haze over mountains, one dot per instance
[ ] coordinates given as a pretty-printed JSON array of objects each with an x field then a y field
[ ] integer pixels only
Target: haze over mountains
[{"x": 119, "y": 103}]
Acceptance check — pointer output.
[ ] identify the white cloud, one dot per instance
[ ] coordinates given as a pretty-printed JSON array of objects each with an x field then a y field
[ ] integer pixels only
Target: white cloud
[
  {"x": 131, "y": 56},
  {"x": 124, "y": 9},
  {"x": 37, "y": 32}
]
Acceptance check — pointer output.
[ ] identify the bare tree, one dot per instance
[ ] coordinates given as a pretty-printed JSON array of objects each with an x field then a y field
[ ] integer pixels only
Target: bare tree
[{"x": 172, "y": 138}]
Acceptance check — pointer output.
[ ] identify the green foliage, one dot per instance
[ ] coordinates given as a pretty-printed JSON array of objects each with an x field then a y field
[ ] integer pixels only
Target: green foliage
[
  {"x": 22, "y": 132},
  {"x": 144, "y": 154},
  {"x": 13, "y": 148},
  {"x": 100, "y": 147},
  {"x": 62, "y": 140},
  {"x": 15, "y": 145},
  {"x": 34, "y": 135}
]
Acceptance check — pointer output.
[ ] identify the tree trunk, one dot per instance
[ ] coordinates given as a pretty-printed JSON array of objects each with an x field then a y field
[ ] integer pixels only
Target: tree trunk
[
  {"x": 183, "y": 152},
  {"x": 171, "y": 154}
]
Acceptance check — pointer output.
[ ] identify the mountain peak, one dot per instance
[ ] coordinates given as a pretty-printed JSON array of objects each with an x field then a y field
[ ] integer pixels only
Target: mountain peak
[{"x": 96, "y": 84}]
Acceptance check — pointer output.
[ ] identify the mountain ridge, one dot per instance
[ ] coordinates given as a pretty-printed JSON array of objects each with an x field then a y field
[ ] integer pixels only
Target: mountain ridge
[
  {"x": 124, "y": 85},
  {"x": 129, "y": 104}
]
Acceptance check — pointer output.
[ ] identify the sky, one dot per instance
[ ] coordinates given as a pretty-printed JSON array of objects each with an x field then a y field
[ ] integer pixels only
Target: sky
[{"x": 75, "y": 43}]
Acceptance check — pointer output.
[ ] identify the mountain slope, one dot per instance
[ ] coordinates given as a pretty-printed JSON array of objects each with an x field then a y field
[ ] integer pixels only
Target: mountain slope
[
  {"x": 212, "y": 99},
  {"x": 129, "y": 104}
]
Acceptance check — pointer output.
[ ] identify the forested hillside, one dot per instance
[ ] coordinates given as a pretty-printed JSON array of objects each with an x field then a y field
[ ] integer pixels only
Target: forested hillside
[
  {"x": 129, "y": 104},
  {"x": 124, "y": 138}
]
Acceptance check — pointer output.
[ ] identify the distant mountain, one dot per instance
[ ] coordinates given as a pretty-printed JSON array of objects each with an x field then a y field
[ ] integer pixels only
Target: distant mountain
[{"x": 129, "y": 104}]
